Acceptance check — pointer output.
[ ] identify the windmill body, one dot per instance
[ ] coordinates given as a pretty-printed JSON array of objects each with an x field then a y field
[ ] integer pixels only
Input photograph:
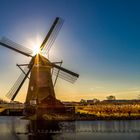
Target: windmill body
[
  {"x": 40, "y": 97},
  {"x": 40, "y": 82}
]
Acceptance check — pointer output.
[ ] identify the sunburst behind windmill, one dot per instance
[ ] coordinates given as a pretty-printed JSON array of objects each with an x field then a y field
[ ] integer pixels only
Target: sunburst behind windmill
[{"x": 40, "y": 95}]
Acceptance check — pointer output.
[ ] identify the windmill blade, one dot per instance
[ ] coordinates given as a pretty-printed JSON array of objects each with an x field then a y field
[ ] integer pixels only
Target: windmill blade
[
  {"x": 16, "y": 85},
  {"x": 57, "y": 73},
  {"x": 66, "y": 70},
  {"x": 65, "y": 74},
  {"x": 51, "y": 36},
  {"x": 5, "y": 42},
  {"x": 20, "y": 81}
]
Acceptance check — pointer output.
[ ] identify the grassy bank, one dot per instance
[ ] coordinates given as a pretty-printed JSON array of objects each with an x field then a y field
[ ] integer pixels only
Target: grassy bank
[{"x": 108, "y": 111}]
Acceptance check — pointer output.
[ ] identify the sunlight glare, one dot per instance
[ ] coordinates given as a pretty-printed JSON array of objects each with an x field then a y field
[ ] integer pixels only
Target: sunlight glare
[
  {"x": 36, "y": 49},
  {"x": 35, "y": 44}
]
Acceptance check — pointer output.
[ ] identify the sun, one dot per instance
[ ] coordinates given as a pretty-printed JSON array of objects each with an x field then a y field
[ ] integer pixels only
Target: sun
[
  {"x": 35, "y": 44},
  {"x": 36, "y": 49}
]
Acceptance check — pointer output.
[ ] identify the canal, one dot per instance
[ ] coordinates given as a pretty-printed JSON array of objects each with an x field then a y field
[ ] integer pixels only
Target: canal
[{"x": 15, "y": 128}]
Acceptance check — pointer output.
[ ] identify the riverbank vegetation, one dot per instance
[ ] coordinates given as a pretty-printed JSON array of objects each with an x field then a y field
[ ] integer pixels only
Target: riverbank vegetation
[{"x": 110, "y": 111}]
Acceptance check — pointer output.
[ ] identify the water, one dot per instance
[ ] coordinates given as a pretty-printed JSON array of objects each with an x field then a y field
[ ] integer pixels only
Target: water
[{"x": 14, "y": 128}]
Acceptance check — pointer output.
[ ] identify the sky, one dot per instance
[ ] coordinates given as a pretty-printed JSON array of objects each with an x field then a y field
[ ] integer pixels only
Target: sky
[{"x": 100, "y": 40}]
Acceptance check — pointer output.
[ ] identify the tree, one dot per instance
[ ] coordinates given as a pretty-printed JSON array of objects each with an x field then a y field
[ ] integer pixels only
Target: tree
[
  {"x": 83, "y": 102},
  {"x": 111, "y": 97},
  {"x": 96, "y": 100}
]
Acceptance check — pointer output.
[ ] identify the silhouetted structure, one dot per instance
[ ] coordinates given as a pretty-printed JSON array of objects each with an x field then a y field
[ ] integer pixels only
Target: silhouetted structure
[{"x": 40, "y": 98}]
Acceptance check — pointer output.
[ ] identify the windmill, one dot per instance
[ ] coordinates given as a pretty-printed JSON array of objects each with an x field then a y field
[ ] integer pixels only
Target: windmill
[{"x": 39, "y": 71}]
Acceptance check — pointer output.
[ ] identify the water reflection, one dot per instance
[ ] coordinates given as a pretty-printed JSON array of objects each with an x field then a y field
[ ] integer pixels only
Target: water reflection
[
  {"x": 49, "y": 129},
  {"x": 14, "y": 128},
  {"x": 42, "y": 129},
  {"x": 126, "y": 126}
]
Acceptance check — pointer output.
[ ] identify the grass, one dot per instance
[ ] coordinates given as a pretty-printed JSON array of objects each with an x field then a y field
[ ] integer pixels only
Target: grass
[{"x": 111, "y": 110}]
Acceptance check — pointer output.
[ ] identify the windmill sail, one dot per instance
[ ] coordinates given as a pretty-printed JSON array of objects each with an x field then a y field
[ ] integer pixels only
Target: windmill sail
[
  {"x": 51, "y": 36},
  {"x": 65, "y": 74},
  {"x": 15, "y": 47},
  {"x": 20, "y": 81},
  {"x": 15, "y": 88}
]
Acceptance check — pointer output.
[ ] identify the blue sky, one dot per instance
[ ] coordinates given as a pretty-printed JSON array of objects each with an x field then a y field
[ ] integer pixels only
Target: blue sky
[{"x": 100, "y": 40}]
